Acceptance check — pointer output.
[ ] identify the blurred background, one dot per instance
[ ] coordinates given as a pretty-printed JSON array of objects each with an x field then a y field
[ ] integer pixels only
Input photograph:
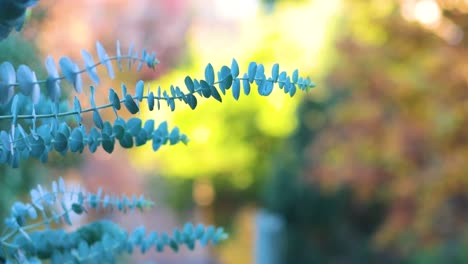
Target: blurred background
[{"x": 369, "y": 167}]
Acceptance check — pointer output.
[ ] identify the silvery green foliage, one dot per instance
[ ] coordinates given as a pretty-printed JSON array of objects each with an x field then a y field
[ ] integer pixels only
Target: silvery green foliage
[
  {"x": 12, "y": 15},
  {"x": 47, "y": 119},
  {"x": 100, "y": 241}
]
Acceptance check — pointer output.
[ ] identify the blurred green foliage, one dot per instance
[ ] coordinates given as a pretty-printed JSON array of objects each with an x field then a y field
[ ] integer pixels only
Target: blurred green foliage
[{"x": 392, "y": 131}]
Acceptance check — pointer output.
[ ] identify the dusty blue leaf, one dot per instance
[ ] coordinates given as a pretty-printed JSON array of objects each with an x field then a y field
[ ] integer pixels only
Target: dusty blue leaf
[
  {"x": 234, "y": 68},
  {"x": 189, "y": 84},
  {"x": 246, "y": 84},
  {"x": 114, "y": 99},
  {"x": 130, "y": 104},
  {"x": 140, "y": 87},
  {"x": 209, "y": 74},
  {"x": 252, "y": 71},
  {"x": 265, "y": 88},
  {"x": 7, "y": 77},
  {"x": 118, "y": 53},
  {"x": 104, "y": 59},
  {"x": 90, "y": 68},
  {"x": 68, "y": 69},
  {"x": 236, "y": 89},
  {"x": 275, "y": 72},
  {"x": 24, "y": 75},
  {"x": 76, "y": 140}
]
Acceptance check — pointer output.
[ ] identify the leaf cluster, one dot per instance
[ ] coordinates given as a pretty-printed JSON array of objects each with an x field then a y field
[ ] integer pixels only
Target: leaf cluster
[
  {"x": 49, "y": 128},
  {"x": 12, "y": 15},
  {"x": 97, "y": 241}
]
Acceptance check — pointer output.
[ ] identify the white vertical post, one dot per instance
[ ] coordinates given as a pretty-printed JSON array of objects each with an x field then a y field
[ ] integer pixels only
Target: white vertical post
[{"x": 267, "y": 238}]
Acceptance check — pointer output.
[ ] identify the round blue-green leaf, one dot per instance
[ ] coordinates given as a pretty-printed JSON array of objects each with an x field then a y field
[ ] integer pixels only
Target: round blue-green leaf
[
  {"x": 295, "y": 76},
  {"x": 93, "y": 139},
  {"x": 77, "y": 109},
  {"x": 102, "y": 55},
  {"x": 246, "y": 84},
  {"x": 225, "y": 79},
  {"x": 134, "y": 126},
  {"x": 192, "y": 101},
  {"x": 275, "y": 72},
  {"x": 189, "y": 83},
  {"x": 252, "y": 71},
  {"x": 206, "y": 90},
  {"x": 60, "y": 142},
  {"x": 90, "y": 68},
  {"x": 97, "y": 119},
  {"x": 107, "y": 143},
  {"x": 260, "y": 75},
  {"x": 140, "y": 86},
  {"x": 266, "y": 88},
  {"x": 126, "y": 141},
  {"x": 114, "y": 99},
  {"x": 76, "y": 140},
  {"x": 151, "y": 101},
  {"x": 131, "y": 106},
  {"x": 236, "y": 89},
  {"x": 209, "y": 74},
  {"x": 118, "y": 130},
  {"x": 215, "y": 93},
  {"x": 141, "y": 138},
  {"x": 37, "y": 146},
  {"x": 174, "y": 136},
  {"x": 68, "y": 70},
  {"x": 149, "y": 126},
  {"x": 25, "y": 79},
  {"x": 7, "y": 77},
  {"x": 78, "y": 209},
  {"x": 234, "y": 68}
]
